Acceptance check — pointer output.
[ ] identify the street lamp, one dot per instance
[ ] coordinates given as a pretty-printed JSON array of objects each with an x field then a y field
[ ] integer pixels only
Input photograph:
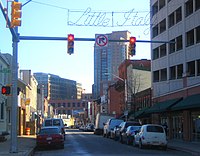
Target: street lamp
[{"x": 125, "y": 90}]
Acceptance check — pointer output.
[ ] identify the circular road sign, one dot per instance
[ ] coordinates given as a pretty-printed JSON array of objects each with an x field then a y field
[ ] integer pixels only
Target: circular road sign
[{"x": 101, "y": 40}]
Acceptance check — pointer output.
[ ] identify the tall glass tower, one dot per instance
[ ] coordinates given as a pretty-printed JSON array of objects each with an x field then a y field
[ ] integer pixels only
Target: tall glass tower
[{"x": 107, "y": 60}]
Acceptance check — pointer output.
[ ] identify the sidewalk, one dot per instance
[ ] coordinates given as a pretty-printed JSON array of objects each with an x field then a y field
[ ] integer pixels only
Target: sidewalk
[{"x": 26, "y": 145}]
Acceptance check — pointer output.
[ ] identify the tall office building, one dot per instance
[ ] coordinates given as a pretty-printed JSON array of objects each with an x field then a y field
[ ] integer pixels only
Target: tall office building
[
  {"x": 107, "y": 60},
  {"x": 55, "y": 87},
  {"x": 176, "y": 65}
]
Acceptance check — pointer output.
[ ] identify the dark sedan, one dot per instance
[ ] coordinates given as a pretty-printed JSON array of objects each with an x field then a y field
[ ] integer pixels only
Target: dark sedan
[{"x": 50, "y": 137}]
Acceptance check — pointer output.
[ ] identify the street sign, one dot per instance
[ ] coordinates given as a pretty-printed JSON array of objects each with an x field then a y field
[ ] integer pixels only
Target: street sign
[{"x": 101, "y": 40}]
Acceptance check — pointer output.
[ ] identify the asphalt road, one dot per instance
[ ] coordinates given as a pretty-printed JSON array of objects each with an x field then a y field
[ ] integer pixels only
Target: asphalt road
[{"x": 80, "y": 143}]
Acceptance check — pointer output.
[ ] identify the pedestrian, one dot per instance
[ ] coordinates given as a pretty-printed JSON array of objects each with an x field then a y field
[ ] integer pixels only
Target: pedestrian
[{"x": 165, "y": 127}]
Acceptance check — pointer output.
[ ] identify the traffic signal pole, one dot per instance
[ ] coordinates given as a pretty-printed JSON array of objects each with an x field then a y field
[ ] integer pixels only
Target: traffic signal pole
[{"x": 14, "y": 114}]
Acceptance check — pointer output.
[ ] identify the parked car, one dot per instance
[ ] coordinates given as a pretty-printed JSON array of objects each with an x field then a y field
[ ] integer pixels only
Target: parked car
[
  {"x": 121, "y": 130},
  {"x": 151, "y": 135},
  {"x": 130, "y": 133},
  {"x": 109, "y": 125},
  {"x": 50, "y": 136},
  {"x": 55, "y": 122},
  {"x": 89, "y": 127}
]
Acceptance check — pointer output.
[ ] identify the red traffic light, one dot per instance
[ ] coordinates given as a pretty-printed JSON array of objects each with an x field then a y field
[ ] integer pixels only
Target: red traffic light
[
  {"x": 5, "y": 90},
  {"x": 132, "y": 40},
  {"x": 70, "y": 37}
]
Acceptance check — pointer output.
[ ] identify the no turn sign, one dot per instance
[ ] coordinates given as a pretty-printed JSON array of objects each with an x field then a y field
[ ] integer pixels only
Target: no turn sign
[{"x": 101, "y": 40}]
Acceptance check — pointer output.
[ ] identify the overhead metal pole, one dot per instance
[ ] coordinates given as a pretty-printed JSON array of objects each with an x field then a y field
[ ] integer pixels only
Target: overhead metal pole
[{"x": 14, "y": 112}]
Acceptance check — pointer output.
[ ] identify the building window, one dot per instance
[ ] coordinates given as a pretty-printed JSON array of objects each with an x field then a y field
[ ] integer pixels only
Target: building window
[
  {"x": 69, "y": 104},
  {"x": 198, "y": 34},
  {"x": 83, "y": 104},
  {"x": 154, "y": 8},
  {"x": 2, "y": 111},
  {"x": 179, "y": 43},
  {"x": 172, "y": 46},
  {"x": 178, "y": 15},
  {"x": 156, "y": 76},
  {"x": 155, "y": 53},
  {"x": 171, "y": 20},
  {"x": 155, "y": 31},
  {"x": 78, "y": 104},
  {"x": 188, "y": 8},
  {"x": 197, "y": 4},
  {"x": 191, "y": 68},
  {"x": 74, "y": 105},
  {"x": 179, "y": 71},
  {"x": 163, "y": 74},
  {"x": 64, "y": 105},
  {"x": 190, "y": 38},
  {"x": 163, "y": 50},
  {"x": 173, "y": 72},
  {"x": 161, "y": 4},
  {"x": 162, "y": 25},
  {"x": 59, "y": 104}
]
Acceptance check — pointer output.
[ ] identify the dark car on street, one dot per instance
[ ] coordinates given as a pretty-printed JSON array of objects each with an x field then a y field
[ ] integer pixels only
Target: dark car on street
[
  {"x": 50, "y": 137},
  {"x": 121, "y": 130},
  {"x": 130, "y": 133}
]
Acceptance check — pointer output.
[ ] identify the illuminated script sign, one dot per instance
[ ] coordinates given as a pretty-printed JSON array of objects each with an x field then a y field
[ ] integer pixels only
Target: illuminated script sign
[{"x": 108, "y": 19}]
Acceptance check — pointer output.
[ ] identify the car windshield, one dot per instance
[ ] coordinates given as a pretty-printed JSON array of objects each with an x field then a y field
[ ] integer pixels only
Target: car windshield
[
  {"x": 157, "y": 129},
  {"x": 49, "y": 131}
]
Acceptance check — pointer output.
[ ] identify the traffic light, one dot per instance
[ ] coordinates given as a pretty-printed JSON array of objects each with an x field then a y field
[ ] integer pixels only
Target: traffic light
[
  {"x": 70, "y": 46},
  {"x": 5, "y": 90},
  {"x": 132, "y": 46},
  {"x": 16, "y": 14}
]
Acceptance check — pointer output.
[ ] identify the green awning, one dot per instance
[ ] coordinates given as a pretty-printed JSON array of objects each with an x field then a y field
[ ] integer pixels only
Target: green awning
[
  {"x": 138, "y": 113},
  {"x": 162, "y": 106},
  {"x": 189, "y": 102}
]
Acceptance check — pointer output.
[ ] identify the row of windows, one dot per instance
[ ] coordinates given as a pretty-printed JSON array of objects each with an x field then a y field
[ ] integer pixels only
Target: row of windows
[
  {"x": 176, "y": 72},
  {"x": 192, "y": 37},
  {"x": 175, "y": 17},
  {"x": 78, "y": 104},
  {"x": 190, "y": 6}
]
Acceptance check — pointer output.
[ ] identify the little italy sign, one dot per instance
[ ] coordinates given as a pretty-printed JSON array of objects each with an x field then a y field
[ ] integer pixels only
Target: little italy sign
[{"x": 108, "y": 19}]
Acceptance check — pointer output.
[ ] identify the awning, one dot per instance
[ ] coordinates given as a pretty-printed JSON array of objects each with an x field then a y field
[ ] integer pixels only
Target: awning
[
  {"x": 189, "y": 102},
  {"x": 162, "y": 106},
  {"x": 138, "y": 113}
]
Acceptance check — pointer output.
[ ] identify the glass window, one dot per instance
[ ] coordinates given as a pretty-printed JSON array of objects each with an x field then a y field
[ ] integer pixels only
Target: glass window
[
  {"x": 162, "y": 25},
  {"x": 154, "y": 8},
  {"x": 190, "y": 38},
  {"x": 69, "y": 104},
  {"x": 163, "y": 74},
  {"x": 179, "y": 43},
  {"x": 198, "y": 67},
  {"x": 191, "y": 68},
  {"x": 197, "y": 4},
  {"x": 198, "y": 34},
  {"x": 178, "y": 15},
  {"x": 155, "y": 53},
  {"x": 163, "y": 50},
  {"x": 155, "y": 31},
  {"x": 157, "y": 129},
  {"x": 172, "y": 46},
  {"x": 171, "y": 20},
  {"x": 161, "y": 4},
  {"x": 179, "y": 71},
  {"x": 188, "y": 8},
  {"x": 173, "y": 72},
  {"x": 156, "y": 76}
]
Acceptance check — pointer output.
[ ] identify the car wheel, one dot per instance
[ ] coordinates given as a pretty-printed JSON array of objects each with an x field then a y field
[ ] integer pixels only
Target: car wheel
[{"x": 140, "y": 144}]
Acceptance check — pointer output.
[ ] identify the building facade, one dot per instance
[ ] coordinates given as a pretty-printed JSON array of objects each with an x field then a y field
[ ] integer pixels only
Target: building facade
[{"x": 176, "y": 64}]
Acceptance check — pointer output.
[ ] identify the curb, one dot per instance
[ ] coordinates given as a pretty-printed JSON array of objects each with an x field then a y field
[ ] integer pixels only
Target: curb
[{"x": 195, "y": 153}]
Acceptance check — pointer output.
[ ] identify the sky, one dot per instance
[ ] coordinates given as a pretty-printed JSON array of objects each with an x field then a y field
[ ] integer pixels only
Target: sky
[{"x": 84, "y": 19}]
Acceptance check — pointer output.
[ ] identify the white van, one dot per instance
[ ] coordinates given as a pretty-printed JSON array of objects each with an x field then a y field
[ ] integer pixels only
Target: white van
[{"x": 151, "y": 135}]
